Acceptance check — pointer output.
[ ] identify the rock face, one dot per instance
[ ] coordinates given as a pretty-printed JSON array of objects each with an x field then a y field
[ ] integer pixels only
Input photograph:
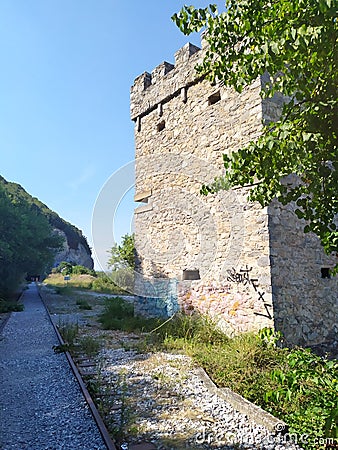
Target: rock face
[
  {"x": 219, "y": 254},
  {"x": 74, "y": 252}
]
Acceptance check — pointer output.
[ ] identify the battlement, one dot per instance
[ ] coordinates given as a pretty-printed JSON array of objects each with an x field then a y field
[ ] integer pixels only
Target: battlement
[{"x": 165, "y": 81}]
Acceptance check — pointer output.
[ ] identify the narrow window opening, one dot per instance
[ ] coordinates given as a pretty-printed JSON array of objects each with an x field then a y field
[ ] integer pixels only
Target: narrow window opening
[
  {"x": 191, "y": 275},
  {"x": 161, "y": 126},
  {"x": 325, "y": 271},
  {"x": 138, "y": 124},
  {"x": 214, "y": 98}
]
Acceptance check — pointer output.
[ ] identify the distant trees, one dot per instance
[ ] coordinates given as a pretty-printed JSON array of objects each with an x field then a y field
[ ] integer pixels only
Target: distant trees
[
  {"x": 27, "y": 241},
  {"x": 69, "y": 268}
]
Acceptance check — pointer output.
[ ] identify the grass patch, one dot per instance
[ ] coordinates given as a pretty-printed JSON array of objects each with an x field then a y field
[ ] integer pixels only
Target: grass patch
[
  {"x": 100, "y": 283},
  {"x": 118, "y": 314},
  {"x": 69, "y": 332}
]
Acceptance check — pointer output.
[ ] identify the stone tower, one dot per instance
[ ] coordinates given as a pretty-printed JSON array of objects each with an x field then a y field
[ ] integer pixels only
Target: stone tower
[{"x": 221, "y": 255}]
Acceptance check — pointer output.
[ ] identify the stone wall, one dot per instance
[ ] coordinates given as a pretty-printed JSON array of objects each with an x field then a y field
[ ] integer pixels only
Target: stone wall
[
  {"x": 305, "y": 302},
  {"x": 182, "y": 128},
  {"x": 251, "y": 274}
]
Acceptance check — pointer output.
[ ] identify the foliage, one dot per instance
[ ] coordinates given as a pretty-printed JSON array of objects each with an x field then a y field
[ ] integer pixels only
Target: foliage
[
  {"x": 74, "y": 235},
  {"x": 69, "y": 331},
  {"x": 294, "y": 385},
  {"x": 27, "y": 242},
  {"x": 83, "y": 304},
  {"x": 123, "y": 255},
  {"x": 104, "y": 283},
  {"x": 81, "y": 270},
  {"x": 118, "y": 314},
  {"x": 306, "y": 391},
  {"x": 89, "y": 345},
  {"x": 296, "y": 43}
]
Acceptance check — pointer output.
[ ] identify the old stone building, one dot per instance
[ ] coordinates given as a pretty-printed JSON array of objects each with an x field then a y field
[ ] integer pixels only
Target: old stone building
[{"x": 219, "y": 254}]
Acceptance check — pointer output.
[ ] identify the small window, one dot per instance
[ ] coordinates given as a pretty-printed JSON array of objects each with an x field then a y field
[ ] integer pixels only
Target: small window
[
  {"x": 161, "y": 126},
  {"x": 214, "y": 98},
  {"x": 191, "y": 275},
  {"x": 325, "y": 271}
]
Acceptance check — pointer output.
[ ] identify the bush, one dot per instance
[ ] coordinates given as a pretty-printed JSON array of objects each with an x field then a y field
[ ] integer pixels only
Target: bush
[
  {"x": 8, "y": 306},
  {"x": 118, "y": 314}
]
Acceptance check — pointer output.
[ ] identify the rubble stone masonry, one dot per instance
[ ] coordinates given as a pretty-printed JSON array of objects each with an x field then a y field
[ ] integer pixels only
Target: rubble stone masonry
[{"x": 255, "y": 267}]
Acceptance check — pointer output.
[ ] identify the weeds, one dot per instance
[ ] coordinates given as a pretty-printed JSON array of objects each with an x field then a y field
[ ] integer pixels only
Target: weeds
[
  {"x": 69, "y": 332},
  {"x": 119, "y": 315},
  {"x": 100, "y": 283},
  {"x": 293, "y": 384},
  {"x": 89, "y": 345}
]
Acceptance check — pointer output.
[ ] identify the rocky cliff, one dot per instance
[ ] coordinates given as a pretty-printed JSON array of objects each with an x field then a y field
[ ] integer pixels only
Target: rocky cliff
[{"x": 75, "y": 248}]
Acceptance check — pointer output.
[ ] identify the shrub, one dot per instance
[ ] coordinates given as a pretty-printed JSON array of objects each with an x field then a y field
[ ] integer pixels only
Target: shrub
[{"x": 8, "y": 306}]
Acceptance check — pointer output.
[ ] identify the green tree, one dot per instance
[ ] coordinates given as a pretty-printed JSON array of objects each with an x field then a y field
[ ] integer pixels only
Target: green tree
[
  {"x": 27, "y": 242},
  {"x": 296, "y": 43},
  {"x": 123, "y": 256}
]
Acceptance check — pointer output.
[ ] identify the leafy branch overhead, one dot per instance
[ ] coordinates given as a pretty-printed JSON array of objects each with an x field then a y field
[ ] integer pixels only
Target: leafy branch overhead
[{"x": 296, "y": 43}]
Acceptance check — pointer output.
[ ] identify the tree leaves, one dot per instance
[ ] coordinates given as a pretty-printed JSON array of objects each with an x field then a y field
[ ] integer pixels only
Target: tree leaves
[
  {"x": 296, "y": 43},
  {"x": 27, "y": 242}
]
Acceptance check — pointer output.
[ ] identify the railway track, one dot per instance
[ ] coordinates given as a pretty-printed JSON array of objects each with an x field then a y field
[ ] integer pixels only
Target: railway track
[{"x": 42, "y": 404}]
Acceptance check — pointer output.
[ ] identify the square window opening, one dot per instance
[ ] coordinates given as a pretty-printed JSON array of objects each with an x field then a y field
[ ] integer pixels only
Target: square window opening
[
  {"x": 325, "y": 272},
  {"x": 161, "y": 126},
  {"x": 214, "y": 98}
]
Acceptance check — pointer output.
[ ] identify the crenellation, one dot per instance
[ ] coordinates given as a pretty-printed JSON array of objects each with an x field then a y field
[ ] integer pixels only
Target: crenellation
[
  {"x": 161, "y": 71},
  {"x": 142, "y": 82},
  {"x": 165, "y": 82}
]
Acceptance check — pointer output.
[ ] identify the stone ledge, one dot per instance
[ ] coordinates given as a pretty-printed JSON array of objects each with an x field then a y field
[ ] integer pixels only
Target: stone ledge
[
  {"x": 144, "y": 208},
  {"x": 142, "y": 196},
  {"x": 252, "y": 411}
]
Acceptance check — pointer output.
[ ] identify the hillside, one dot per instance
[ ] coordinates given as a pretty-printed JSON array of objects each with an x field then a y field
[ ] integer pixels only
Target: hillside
[{"x": 75, "y": 248}]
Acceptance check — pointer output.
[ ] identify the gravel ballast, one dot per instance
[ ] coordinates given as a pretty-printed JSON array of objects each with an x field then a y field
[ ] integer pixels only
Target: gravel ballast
[
  {"x": 42, "y": 406},
  {"x": 171, "y": 406}
]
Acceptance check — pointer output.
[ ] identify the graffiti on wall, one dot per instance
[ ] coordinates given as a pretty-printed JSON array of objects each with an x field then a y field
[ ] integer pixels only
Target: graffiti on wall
[{"x": 244, "y": 277}]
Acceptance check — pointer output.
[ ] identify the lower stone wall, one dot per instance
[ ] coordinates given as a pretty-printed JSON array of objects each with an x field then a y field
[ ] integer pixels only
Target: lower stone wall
[{"x": 237, "y": 305}]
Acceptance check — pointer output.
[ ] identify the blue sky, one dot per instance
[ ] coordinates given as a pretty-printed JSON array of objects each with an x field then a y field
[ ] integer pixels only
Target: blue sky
[{"x": 66, "y": 71}]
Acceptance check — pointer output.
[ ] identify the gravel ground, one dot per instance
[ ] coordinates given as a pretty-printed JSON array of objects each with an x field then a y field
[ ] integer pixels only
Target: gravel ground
[
  {"x": 159, "y": 398},
  {"x": 163, "y": 400},
  {"x": 42, "y": 406}
]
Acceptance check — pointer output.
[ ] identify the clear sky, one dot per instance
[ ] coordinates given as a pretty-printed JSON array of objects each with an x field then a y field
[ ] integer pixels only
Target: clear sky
[{"x": 66, "y": 71}]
